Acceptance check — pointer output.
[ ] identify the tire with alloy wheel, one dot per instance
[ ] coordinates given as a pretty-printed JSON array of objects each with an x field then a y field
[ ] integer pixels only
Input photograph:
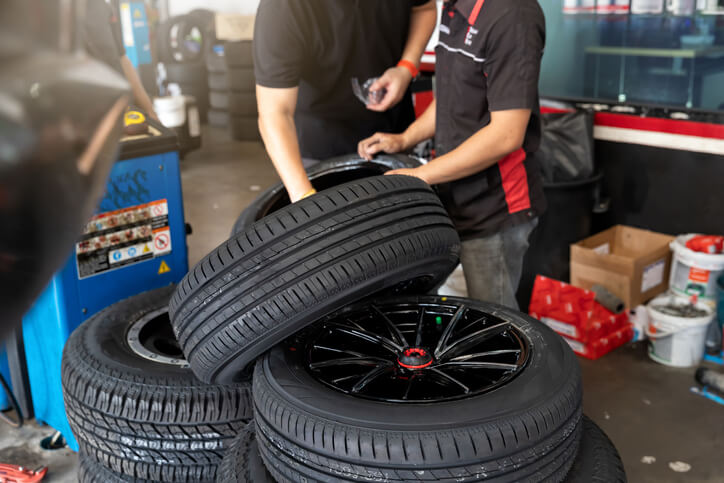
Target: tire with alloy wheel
[
  {"x": 382, "y": 234},
  {"x": 133, "y": 403},
  {"x": 598, "y": 460},
  {"x": 242, "y": 463},
  {"x": 419, "y": 388},
  {"x": 324, "y": 175}
]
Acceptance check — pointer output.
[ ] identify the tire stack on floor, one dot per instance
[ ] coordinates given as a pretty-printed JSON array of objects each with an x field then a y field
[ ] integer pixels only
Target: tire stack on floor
[
  {"x": 218, "y": 85},
  {"x": 320, "y": 309},
  {"x": 243, "y": 112},
  {"x": 360, "y": 376},
  {"x": 182, "y": 43},
  {"x": 135, "y": 407}
]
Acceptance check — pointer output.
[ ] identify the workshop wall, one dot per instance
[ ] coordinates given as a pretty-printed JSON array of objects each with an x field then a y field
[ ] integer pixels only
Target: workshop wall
[{"x": 245, "y": 7}]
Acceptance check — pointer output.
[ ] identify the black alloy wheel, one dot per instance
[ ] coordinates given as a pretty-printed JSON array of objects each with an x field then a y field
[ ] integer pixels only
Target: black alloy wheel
[{"x": 401, "y": 352}]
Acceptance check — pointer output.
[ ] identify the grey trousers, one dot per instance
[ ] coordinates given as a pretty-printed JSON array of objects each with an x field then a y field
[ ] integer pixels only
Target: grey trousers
[{"x": 493, "y": 264}]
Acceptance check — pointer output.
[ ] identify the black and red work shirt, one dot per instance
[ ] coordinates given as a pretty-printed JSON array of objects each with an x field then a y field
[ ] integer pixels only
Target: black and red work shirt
[
  {"x": 488, "y": 59},
  {"x": 319, "y": 46}
]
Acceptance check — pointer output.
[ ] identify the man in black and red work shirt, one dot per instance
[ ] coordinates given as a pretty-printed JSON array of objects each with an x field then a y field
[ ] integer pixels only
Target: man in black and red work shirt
[{"x": 485, "y": 119}]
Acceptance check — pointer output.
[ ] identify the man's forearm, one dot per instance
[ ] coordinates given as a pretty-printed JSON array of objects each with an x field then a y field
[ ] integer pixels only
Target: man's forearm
[
  {"x": 423, "y": 20},
  {"x": 280, "y": 138},
  {"x": 422, "y": 129},
  {"x": 480, "y": 151}
]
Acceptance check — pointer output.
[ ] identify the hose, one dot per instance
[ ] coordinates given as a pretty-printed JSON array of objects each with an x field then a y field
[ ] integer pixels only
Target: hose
[{"x": 14, "y": 403}]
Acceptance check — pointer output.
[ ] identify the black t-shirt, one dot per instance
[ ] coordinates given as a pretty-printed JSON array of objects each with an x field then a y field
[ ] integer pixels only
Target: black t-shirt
[
  {"x": 102, "y": 30},
  {"x": 320, "y": 45},
  {"x": 488, "y": 59}
]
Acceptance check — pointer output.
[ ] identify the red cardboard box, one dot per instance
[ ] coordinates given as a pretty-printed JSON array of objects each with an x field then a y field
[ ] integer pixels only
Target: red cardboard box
[
  {"x": 572, "y": 311},
  {"x": 604, "y": 345},
  {"x": 588, "y": 327}
]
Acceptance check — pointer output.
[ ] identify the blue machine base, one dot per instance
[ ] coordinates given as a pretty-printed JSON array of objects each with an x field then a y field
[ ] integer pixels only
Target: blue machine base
[{"x": 69, "y": 300}]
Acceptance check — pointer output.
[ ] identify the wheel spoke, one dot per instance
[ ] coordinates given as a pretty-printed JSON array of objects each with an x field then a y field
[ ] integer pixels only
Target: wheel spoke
[
  {"x": 409, "y": 386},
  {"x": 474, "y": 322},
  {"x": 480, "y": 365},
  {"x": 442, "y": 343},
  {"x": 371, "y": 376},
  {"x": 418, "y": 331},
  {"x": 345, "y": 378},
  {"x": 467, "y": 357},
  {"x": 449, "y": 378},
  {"x": 369, "y": 337},
  {"x": 393, "y": 329},
  {"x": 472, "y": 340},
  {"x": 339, "y": 351},
  {"x": 366, "y": 361}
]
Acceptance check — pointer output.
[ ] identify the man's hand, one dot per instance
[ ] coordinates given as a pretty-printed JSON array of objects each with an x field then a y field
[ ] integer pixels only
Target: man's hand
[
  {"x": 381, "y": 142},
  {"x": 396, "y": 80}
]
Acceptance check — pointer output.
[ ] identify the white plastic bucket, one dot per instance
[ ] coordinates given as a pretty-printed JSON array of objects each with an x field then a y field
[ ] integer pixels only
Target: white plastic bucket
[
  {"x": 171, "y": 110},
  {"x": 677, "y": 341},
  {"x": 694, "y": 273}
]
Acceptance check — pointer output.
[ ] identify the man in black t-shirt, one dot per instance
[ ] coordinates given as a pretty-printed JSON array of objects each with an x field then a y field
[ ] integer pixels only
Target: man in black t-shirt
[
  {"x": 306, "y": 54},
  {"x": 103, "y": 41},
  {"x": 485, "y": 119}
]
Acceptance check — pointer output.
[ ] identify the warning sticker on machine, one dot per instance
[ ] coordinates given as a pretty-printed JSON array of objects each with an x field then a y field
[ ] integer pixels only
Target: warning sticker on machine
[{"x": 123, "y": 237}]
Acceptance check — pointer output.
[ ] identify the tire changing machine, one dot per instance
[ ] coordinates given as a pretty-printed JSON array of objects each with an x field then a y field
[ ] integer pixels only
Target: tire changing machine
[{"x": 135, "y": 242}]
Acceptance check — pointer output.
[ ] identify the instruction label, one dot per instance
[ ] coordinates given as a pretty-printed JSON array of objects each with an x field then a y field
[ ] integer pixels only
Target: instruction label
[
  {"x": 653, "y": 275},
  {"x": 123, "y": 237}
]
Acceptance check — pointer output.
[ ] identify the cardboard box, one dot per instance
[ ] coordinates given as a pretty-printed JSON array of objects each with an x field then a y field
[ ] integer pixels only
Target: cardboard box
[
  {"x": 234, "y": 27},
  {"x": 631, "y": 263}
]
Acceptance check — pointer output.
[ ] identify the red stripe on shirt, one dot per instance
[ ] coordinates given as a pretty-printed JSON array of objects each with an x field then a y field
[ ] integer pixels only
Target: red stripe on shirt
[
  {"x": 515, "y": 181},
  {"x": 476, "y": 11}
]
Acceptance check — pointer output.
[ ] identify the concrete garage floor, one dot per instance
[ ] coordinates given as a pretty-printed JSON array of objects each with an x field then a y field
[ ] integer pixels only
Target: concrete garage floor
[{"x": 645, "y": 408}]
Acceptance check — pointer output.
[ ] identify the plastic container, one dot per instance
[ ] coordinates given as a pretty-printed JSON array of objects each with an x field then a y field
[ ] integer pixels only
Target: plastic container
[
  {"x": 171, "y": 110},
  {"x": 694, "y": 273},
  {"x": 677, "y": 341},
  {"x": 720, "y": 298}
]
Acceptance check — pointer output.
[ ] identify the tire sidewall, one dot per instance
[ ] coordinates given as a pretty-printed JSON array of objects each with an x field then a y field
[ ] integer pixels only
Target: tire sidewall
[
  {"x": 550, "y": 368},
  {"x": 264, "y": 201}
]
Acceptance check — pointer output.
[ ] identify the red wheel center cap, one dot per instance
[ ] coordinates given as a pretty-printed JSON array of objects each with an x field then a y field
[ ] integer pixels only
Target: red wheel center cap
[{"x": 414, "y": 358}]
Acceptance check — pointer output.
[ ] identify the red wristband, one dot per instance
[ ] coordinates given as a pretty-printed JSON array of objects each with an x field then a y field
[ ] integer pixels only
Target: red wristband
[{"x": 409, "y": 66}]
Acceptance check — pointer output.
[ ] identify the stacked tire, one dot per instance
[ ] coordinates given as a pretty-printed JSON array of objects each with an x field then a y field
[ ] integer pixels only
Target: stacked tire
[
  {"x": 182, "y": 43},
  {"x": 218, "y": 80},
  {"x": 136, "y": 409},
  {"x": 243, "y": 112},
  {"x": 357, "y": 374}
]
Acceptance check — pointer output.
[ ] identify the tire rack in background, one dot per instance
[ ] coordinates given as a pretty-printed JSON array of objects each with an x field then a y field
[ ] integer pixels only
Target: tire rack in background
[
  {"x": 218, "y": 80},
  {"x": 185, "y": 66},
  {"x": 243, "y": 113}
]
